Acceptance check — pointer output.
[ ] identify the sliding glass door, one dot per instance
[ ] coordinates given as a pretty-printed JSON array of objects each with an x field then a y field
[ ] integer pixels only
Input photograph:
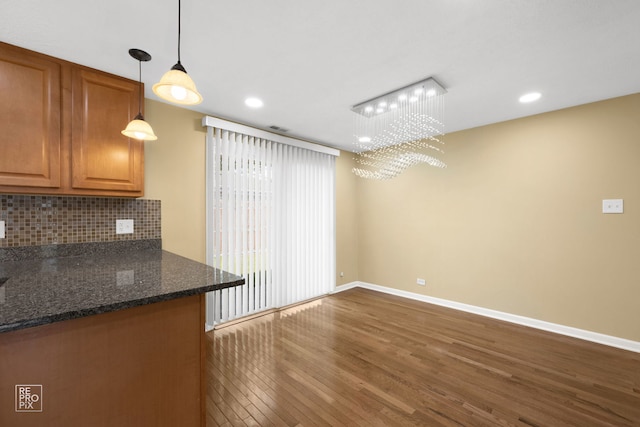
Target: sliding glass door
[{"x": 270, "y": 219}]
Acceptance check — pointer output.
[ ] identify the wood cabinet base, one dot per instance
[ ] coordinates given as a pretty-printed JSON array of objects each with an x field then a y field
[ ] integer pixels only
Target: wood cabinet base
[{"x": 141, "y": 366}]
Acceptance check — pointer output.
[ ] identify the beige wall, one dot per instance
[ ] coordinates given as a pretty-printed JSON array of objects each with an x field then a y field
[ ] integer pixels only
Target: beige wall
[
  {"x": 175, "y": 174},
  {"x": 346, "y": 221},
  {"x": 515, "y": 224}
]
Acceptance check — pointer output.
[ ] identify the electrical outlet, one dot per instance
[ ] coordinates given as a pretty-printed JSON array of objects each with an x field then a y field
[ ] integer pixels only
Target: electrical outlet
[
  {"x": 124, "y": 226},
  {"x": 421, "y": 282},
  {"x": 613, "y": 206},
  {"x": 2, "y": 235}
]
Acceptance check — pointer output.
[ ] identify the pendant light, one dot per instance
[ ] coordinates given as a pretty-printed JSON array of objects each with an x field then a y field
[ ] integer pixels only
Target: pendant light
[
  {"x": 138, "y": 128},
  {"x": 175, "y": 85}
]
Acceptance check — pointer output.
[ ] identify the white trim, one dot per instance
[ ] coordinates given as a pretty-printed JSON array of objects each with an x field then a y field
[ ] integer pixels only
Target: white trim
[
  {"x": 582, "y": 334},
  {"x": 215, "y": 122}
]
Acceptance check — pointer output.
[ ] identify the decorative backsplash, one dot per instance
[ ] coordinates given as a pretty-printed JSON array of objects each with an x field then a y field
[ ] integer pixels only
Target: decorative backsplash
[{"x": 50, "y": 220}]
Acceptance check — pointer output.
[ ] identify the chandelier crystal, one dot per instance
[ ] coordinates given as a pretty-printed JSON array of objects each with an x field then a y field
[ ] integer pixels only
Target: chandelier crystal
[{"x": 399, "y": 129}]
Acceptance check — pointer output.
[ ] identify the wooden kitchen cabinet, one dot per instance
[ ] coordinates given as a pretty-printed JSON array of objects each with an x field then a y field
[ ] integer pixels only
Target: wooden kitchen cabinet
[
  {"x": 141, "y": 366},
  {"x": 101, "y": 157},
  {"x": 30, "y": 122},
  {"x": 60, "y": 126}
]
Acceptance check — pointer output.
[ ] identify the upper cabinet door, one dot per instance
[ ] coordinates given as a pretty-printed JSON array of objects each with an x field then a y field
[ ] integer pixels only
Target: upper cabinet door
[
  {"x": 30, "y": 122},
  {"x": 101, "y": 157}
]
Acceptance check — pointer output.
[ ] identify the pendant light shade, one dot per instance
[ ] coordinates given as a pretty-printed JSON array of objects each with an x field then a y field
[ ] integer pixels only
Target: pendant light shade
[
  {"x": 175, "y": 85},
  {"x": 138, "y": 128}
]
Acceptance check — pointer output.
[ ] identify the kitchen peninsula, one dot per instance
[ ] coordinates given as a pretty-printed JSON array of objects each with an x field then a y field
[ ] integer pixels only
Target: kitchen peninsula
[{"x": 103, "y": 334}]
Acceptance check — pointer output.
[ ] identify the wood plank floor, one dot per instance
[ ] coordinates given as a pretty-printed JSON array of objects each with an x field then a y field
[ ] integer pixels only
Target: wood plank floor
[{"x": 362, "y": 358}]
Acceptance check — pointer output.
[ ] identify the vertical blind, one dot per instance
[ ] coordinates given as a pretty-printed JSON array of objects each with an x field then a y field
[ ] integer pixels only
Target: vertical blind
[{"x": 270, "y": 219}]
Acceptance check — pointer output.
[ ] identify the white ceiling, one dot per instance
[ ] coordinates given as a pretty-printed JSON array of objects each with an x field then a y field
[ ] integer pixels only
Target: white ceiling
[{"x": 310, "y": 61}]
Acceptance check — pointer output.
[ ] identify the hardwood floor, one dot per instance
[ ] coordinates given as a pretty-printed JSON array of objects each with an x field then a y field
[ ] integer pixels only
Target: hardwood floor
[{"x": 362, "y": 358}]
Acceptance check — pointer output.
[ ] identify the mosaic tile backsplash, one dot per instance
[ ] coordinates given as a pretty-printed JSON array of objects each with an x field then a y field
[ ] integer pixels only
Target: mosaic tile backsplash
[{"x": 50, "y": 220}]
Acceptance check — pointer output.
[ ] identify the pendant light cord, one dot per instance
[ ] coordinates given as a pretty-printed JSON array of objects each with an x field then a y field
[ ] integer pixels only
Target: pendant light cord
[
  {"x": 140, "y": 87},
  {"x": 178, "y": 65},
  {"x": 179, "y": 21}
]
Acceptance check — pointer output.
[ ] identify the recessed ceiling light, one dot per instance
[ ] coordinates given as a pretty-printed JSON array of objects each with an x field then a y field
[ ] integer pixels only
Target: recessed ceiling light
[
  {"x": 364, "y": 139},
  {"x": 530, "y": 97},
  {"x": 253, "y": 102}
]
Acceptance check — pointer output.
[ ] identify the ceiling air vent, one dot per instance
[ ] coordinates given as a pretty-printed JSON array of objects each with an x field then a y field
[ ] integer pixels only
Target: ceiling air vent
[{"x": 278, "y": 129}]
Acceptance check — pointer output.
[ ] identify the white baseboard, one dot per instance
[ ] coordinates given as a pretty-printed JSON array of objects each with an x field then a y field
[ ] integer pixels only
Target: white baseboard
[{"x": 611, "y": 341}]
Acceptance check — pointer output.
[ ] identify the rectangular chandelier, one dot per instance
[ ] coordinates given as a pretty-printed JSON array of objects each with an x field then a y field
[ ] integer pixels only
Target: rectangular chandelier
[{"x": 399, "y": 129}]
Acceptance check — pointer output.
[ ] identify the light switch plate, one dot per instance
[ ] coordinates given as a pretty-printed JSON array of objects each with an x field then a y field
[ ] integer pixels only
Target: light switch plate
[
  {"x": 613, "y": 206},
  {"x": 2, "y": 235}
]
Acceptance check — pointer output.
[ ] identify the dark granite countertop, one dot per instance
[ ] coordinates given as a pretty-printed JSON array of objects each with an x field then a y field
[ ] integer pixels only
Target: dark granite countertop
[{"x": 50, "y": 289}]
